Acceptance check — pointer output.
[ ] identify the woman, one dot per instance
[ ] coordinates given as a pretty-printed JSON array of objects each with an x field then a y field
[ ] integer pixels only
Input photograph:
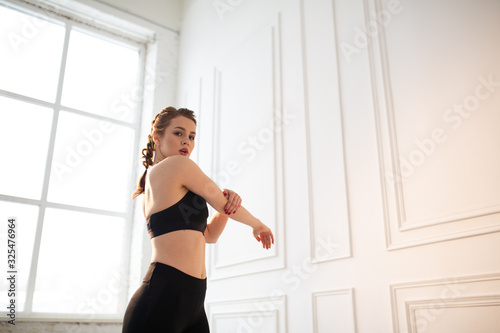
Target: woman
[{"x": 176, "y": 192}]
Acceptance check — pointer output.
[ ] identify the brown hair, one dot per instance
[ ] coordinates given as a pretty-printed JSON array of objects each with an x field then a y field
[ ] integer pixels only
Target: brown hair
[{"x": 158, "y": 125}]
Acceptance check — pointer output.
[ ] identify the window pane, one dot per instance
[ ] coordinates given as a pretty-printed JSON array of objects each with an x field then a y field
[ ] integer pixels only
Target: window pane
[
  {"x": 101, "y": 77},
  {"x": 92, "y": 163},
  {"x": 24, "y": 139},
  {"x": 80, "y": 263},
  {"x": 31, "y": 54},
  {"x": 26, "y": 221}
]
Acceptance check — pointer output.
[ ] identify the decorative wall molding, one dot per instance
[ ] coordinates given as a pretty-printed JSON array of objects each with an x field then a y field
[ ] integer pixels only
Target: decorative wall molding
[
  {"x": 416, "y": 305},
  {"x": 401, "y": 231},
  {"x": 326, "y": 163},
  {"x": 248, "y": 315},
  {"x": 268, "y": 39},
  {"x": 420, "y": 312},
  {"x": 483, "y": 210},
  {"x": 342, "y": 311}
]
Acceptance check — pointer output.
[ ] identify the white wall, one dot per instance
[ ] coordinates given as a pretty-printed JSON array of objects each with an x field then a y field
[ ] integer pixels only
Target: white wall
[
  {"x": 312, "y": 122},
  {"x": 371, "y": 217}
]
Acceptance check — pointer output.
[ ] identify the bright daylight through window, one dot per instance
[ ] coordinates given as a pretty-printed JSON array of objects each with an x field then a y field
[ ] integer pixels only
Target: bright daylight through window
[{"x": 68, "y": 123}]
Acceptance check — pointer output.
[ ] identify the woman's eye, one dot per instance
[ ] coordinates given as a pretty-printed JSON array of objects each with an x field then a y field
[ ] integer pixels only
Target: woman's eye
[
  {"x": 191, "y": 137},
  {"x": 178, "y": 133}
]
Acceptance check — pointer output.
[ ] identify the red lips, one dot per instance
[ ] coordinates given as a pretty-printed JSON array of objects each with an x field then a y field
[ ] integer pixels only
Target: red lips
[{"x": 184, "y": 151}]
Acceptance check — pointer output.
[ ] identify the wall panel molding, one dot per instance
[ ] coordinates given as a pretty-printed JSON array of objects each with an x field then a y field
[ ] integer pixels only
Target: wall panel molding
[
  {"x": 401, "y": 230},
  {"x": 423, "y": 314},
  {"x": 250, "y": 115},
  {"x": 328, "y": 204},
  {"x": 334, "y": 311},
  {"x": 265, "y": 314},
  {"x": 417, "y": 306}
]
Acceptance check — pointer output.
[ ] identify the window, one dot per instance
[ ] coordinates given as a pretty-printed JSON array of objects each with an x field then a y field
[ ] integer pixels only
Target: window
[{"x": 69, "y": 122}]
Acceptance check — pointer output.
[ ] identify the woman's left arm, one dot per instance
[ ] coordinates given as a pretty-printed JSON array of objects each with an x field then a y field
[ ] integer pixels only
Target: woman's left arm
[{"x": 218, "y": 222}]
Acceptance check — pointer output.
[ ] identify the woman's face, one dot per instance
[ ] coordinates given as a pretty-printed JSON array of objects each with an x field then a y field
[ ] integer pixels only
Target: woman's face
[{"x": 178, "y": 138}]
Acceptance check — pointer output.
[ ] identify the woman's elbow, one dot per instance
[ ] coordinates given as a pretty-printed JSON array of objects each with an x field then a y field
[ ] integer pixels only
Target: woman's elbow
[{"x": 209, "y": 239}]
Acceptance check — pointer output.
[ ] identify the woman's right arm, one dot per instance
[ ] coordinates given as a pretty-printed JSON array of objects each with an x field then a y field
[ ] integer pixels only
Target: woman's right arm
[{"x": 194, "y": 179}]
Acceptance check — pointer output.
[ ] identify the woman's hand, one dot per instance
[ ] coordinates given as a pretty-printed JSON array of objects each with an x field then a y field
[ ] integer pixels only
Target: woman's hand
[
  {"x": 233, "y": 201},
  {"x": 265, "y": 235}
]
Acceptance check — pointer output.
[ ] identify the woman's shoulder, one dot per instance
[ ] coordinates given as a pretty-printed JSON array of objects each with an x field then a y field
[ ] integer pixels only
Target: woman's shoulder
[
  {"x": 175, "y": 161},
  {"x": 171, "y": 164}
]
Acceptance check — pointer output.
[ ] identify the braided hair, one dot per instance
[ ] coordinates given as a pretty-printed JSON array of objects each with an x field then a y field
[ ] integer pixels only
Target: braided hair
[{"x": 158, "y": 125}]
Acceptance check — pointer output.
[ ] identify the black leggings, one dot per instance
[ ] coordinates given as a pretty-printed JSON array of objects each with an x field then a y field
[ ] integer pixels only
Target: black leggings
[{"x": 168, "y": 301}]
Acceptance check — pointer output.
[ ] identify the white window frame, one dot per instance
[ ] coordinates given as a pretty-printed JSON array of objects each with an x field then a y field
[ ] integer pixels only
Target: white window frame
[{"x": 158, "y": 91}]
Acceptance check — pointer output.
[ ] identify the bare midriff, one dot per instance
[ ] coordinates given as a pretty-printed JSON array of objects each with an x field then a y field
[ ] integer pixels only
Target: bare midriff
[{"x": 181, "y": 249}]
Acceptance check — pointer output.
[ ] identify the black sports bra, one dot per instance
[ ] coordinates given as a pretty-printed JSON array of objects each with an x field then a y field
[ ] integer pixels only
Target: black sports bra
[{"x": 190, "y": 212}]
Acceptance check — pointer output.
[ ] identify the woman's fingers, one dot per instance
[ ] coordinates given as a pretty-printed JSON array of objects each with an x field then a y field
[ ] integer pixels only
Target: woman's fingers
[
  {"x": 266, "y": 243},
  {"x": 263, "y": 234},
  {"x": 233, "y": 202},
  {"x": 267, "y": 239},
  {"x": 228, "y": 204}
]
